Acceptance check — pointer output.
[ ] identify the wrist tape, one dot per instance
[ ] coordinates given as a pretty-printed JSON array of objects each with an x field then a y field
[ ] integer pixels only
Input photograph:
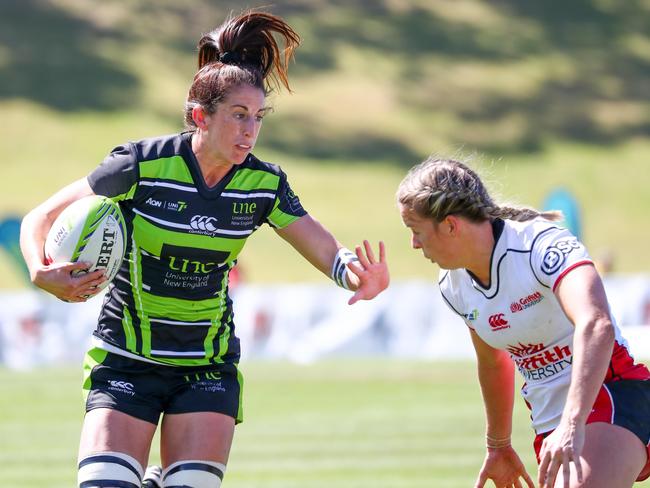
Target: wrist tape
[{"x": 339, "y": 270}]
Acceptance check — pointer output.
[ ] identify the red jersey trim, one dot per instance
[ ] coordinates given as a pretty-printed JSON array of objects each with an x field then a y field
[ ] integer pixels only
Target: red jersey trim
[
  {"x": 623, "y": 367},
  {"x": 570, "y": 268}
]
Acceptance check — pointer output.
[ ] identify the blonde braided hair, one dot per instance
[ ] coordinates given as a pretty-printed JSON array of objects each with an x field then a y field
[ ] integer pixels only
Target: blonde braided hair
[{"x": 437, "y": 188}]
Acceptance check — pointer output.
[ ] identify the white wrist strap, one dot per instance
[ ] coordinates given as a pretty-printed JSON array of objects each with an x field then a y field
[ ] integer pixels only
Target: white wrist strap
[{"x": 339, "y": 270}]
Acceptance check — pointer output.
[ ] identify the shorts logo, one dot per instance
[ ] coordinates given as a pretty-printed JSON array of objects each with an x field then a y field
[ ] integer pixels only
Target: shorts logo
[
  {"x": 555, "y": 255},
  {"x": 497, "y": 322},
  {"x": 121, "y": 386},
  {"x": 201, "y": 222},
  {"x": 209, "y": 382}
]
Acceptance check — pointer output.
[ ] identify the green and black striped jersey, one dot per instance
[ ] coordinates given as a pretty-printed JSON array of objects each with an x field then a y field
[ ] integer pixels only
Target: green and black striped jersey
[{"x": 169, "y": 302}]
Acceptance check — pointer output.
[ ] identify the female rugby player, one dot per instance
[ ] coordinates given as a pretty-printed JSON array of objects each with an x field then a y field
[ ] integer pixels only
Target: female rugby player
[
  {"x": 165, "y": 343},
  {"x": 531, "y": 298}
]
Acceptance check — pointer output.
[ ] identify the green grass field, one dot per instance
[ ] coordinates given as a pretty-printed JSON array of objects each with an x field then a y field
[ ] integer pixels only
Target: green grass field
[{"x": 351, "y": 424}]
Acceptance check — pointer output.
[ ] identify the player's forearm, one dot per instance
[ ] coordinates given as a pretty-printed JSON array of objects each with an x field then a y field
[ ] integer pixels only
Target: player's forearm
[
  {"x": 33, "y": 230},
  {"x": 582, "y": 296},
  {"x": 37, "y": 223},
  {"x": 593, "y": 343},
  {"x": 313, "y": 241},
  {"x": 497, "y": 387}
]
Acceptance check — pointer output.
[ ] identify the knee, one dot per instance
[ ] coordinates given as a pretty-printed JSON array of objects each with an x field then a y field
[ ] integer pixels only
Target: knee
[
  {"x": 109, "y": 469},
  {"x": 197, "y": 474}
]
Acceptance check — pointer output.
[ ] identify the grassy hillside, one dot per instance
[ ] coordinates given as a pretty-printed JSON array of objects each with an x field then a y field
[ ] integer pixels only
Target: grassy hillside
[{"x": 545, "y": 95}]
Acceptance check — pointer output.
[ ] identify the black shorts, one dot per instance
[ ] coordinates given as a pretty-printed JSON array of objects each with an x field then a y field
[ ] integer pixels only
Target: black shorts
[
  {"x": 625, "y": 403},
  {"x": 145, "y": 390}
]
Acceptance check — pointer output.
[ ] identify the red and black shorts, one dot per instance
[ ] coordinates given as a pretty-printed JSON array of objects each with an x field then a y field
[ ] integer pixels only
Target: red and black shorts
[
  {"x": 146, "y": 390},
  {"x": 625, "y": 403}
]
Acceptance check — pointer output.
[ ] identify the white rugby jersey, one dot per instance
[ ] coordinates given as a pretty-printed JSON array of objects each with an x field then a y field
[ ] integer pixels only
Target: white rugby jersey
[{"x": 518, "y": 312}]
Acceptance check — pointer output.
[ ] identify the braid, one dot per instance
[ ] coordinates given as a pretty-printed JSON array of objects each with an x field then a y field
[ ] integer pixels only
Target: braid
[
  {"x": 440, "y": 187},
  {"x": 516, "y": 214}
]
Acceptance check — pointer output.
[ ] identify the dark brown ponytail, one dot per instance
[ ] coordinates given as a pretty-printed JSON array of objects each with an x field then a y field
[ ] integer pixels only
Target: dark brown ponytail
[{"x": 243, "y": 50}]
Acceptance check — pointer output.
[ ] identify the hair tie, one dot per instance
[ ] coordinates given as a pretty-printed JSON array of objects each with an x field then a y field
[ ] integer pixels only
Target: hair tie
[{"x": 229, "y": 57}]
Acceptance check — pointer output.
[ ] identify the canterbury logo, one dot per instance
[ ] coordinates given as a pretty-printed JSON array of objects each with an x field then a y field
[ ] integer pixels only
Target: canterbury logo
[
  {"x": 201, "y": 222},
  {"x": 121, "y": 384},
  {"x": 497, "y": 322}
]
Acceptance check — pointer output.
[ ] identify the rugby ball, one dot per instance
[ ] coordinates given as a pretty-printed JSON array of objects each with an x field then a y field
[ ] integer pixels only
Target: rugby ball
[{"x": 91, "y": 229}]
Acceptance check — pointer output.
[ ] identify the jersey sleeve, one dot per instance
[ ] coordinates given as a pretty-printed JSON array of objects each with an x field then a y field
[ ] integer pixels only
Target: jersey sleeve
[
  {"x": 287, "y": 207},
  {"x": 117, "y": 176},
  {"x": 554, "y": 254}
]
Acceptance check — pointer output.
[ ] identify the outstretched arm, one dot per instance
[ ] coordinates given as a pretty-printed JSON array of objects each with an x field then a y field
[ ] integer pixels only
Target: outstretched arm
[
  {"x": 367, "y": 278},
  {"x": 582, "y": 297},
  {"x": 496, "y": 377},
  {"x": 56, "y": 278}
]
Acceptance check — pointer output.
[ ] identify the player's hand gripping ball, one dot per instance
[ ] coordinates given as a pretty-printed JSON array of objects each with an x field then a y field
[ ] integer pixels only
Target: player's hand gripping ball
[{"x": 90, "y": 230}]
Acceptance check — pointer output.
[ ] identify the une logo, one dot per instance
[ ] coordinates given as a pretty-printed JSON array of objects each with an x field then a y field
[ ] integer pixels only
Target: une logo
[{"x": 244, "y": 208}]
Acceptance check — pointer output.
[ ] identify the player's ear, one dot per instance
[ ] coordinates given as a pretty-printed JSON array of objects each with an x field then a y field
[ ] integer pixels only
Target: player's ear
[
  {"x": 450, "y": 225},
  {"x": 198, "y": 116}
]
